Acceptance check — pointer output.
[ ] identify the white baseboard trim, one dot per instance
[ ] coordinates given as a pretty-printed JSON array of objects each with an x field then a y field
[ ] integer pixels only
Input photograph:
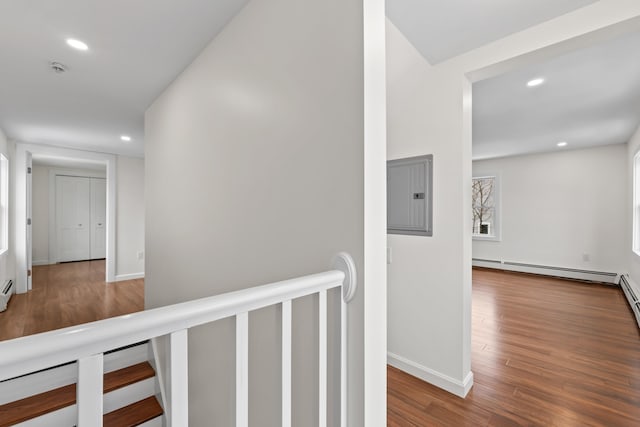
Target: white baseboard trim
[
  {"x": 544, "y": 270},
  {"x": 445, "y": 382},
  {"x": 40, "y": 262},
  {"x": 121, "y": 277}
]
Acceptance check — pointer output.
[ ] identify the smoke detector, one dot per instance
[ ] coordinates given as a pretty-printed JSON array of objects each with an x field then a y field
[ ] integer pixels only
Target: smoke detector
[{"x": 58, "y": 67}]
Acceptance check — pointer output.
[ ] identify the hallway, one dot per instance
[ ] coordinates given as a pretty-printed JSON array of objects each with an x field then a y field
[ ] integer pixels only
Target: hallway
[
  {"x": 545, "y": 352},
  {"x": 69, "y": 294}
]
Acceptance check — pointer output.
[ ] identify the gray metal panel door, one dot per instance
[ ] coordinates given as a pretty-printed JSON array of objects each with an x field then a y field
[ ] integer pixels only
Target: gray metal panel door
[
  {"x": 409, "y": 198},
  {"x": 406, "y": 187}
]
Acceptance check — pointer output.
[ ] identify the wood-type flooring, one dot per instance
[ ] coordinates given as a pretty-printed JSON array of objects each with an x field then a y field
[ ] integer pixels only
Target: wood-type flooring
[
  {"x": 69, "y": 294},
  {"x": 545, "y": 352}
]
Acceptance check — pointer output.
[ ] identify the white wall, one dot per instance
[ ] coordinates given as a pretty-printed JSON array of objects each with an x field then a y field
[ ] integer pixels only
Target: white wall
[
  {"x": 7, "y": 260},
  {"x": 40, "y": 215},
  {"x": 430, "y": 113},
  {"x": 375, "y": 215},
  {"x": 556, "y": 207},
  {"x": 428, "y": 275},
  {"x": 130, "y": 218},
  {"x": 633, "y": 260},
  {"x": 254, "y": 173},
  {"x": 130, "y": 215}
]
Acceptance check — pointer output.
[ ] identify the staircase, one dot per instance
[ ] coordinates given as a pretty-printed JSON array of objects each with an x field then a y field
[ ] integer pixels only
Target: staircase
[
  {"x": 48, "y": 398},
  {"x": 120, "y": 388}
]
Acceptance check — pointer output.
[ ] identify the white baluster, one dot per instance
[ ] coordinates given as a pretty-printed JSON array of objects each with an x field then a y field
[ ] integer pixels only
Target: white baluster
[
  {"x": 322, "y": 358},
  {"x": 343, "y": 363},
  {"x": 242, "y": 370},
  {"x": 89, "y": 391},
  {"x": 286, "y": 364},
  {"x": 345, "y": 263},
  {"x": 178, "y": 387}
]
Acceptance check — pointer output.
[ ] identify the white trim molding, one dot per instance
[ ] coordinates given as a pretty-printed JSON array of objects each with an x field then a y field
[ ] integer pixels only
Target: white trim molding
[
  {"x": 438, "y": 379},
  {"x": 131, "y": 276},
  {"x": 374, "y": 301},
  {"x": 20, "y": 219},
  {"x": 635, "y": 213},
  {"x": 40, "y": 262}
]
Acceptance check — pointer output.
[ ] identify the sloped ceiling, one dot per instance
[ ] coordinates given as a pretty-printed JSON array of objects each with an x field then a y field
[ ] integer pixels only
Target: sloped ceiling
[
  {"x": 136, "y": 48},
  {"x": 442, "y": 29},
  {"x": 590, "y": 97}
]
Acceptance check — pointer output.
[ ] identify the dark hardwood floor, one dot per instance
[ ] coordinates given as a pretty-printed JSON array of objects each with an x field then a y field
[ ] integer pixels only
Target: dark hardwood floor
[
  {"x": 66, "y": 295},
  {"x": 545, "y": 352}
]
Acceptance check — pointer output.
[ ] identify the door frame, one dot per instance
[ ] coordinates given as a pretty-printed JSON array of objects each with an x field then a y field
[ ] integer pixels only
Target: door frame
[
  {"x": 22, "y": 246},
  {"x": 29, "y": 214},
  {"x": 53, "y": 173}
]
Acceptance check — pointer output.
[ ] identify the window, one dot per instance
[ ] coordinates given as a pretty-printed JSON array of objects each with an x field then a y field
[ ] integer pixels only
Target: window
[
  {"x": 4, "y": 204},
  {"x": 636, "y": 203},
  {"x": 485, "y": 208}
]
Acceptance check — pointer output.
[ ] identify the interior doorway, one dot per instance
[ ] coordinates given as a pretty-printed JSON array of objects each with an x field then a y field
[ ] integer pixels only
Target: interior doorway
[
  {"x": 558, "y": 123},
  {"x": 70, "y": 232}
]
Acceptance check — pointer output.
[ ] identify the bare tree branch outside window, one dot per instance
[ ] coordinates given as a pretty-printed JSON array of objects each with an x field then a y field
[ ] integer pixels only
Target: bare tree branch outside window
[{"x": 483, "y": 205}]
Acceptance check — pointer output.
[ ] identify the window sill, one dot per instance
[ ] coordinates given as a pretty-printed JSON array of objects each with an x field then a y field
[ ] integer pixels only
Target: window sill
[{"x": 486, "y": 238}]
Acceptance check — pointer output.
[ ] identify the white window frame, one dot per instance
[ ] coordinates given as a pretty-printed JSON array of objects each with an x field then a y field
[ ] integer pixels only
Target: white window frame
[
  {"x": 497, "y": 226},
  {"x": 4, "y": 204},
  {"x": 635, "y": 213}
]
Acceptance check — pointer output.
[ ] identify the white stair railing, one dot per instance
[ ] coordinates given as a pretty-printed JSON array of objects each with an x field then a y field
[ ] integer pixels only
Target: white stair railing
[{"x": 88, "y": 342}]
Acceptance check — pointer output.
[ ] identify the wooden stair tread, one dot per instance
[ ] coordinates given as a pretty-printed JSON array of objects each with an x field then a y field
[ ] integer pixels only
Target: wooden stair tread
[
  {"x": 134, "y": 414},
  {"x": 34, "y": 406},
  {"x": 127, "y": 376},
  {"x": 53, "y": 400}
]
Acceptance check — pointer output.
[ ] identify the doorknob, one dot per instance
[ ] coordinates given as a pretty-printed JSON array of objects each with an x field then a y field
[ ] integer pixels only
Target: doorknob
[{"x": 79, "y": 225}]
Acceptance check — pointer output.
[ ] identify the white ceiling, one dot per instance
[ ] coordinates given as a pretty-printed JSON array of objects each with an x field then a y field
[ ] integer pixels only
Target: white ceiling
[
  {"x": 136, "y": 49},
  {"x": 591, "y": 97},
  {"x": 442, "y": 29}
]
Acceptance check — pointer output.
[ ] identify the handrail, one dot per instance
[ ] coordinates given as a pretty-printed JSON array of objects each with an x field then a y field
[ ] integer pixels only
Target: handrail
[
  {"x": 34, "y": 352},
  {"x": 87, "y": 344}
]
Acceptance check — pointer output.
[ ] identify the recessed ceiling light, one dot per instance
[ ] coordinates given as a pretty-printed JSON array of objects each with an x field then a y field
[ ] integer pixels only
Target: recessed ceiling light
[
  {"x": 535, "y": 82},
  {"x": 125, "y": 138},
  {"x": 77, "y": 44},
  {"x": 562, "y": 144}
]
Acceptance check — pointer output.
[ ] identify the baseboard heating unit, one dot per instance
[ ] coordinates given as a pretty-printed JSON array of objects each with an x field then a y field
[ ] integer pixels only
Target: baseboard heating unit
[
  {"x": 631, "y": 291},
  {"x": 546, "y": 270},
  {"x": 5, "y": 295}
]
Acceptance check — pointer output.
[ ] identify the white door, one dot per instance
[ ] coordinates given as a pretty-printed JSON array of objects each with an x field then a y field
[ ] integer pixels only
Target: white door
[
  {"x": 98, "y": 218},
  {"x": 73, "y": 218},
  {"x": 29, "y": 228}
]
